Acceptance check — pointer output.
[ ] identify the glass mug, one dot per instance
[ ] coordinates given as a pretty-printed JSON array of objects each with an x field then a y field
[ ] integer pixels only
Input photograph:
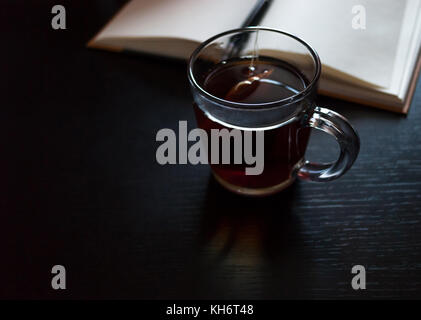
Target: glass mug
[{"x": 284, "y": 110}]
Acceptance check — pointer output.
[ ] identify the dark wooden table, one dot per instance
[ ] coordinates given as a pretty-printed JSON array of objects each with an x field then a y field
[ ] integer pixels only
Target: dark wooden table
[{"x": 80, "y": 185}]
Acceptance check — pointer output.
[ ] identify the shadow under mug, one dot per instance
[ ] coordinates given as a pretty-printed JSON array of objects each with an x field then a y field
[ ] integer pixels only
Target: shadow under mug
[{"x": 286, "y": 123}]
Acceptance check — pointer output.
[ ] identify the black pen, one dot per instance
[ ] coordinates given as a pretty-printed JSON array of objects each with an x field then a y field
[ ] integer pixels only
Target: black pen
[
  {"x": 257, "y": 13},
  {"x": 237, "y": 42}
]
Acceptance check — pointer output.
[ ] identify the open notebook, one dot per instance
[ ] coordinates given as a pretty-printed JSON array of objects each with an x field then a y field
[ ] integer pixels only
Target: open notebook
[{"x": 377, "y": 66}]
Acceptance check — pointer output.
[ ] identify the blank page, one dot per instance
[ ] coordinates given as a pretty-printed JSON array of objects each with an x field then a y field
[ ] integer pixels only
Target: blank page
[
  {"x": 368, "y": 54},
  {"x": 194, "y": 20}
]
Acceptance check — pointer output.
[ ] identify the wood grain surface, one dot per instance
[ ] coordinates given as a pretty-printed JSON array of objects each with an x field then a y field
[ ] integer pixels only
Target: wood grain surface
[{"x": 80, "y": 185}]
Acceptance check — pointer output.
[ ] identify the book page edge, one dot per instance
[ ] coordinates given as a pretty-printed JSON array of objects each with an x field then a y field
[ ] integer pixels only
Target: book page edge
[
  {"x": 413, "y": 84},
  {"x": 361, "y": 101},
  {"x": 92, "y": 43}
]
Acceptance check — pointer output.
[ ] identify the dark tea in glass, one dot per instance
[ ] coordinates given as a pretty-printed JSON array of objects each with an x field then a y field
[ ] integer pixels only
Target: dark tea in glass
[
  {"x": 258, "y": 80},
  {"x": 284, "y": 144}
]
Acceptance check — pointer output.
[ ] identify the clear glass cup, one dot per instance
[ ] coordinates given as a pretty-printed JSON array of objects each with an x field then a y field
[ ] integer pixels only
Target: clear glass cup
[{"x": 286, "y": 123}]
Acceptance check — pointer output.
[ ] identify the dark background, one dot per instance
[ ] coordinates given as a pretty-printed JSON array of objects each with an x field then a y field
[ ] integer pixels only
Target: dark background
[{"x": 80, "y": 185}]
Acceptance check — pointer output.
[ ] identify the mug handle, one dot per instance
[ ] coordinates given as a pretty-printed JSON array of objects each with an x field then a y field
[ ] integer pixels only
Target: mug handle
[{"x": 338, "y": 126}]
